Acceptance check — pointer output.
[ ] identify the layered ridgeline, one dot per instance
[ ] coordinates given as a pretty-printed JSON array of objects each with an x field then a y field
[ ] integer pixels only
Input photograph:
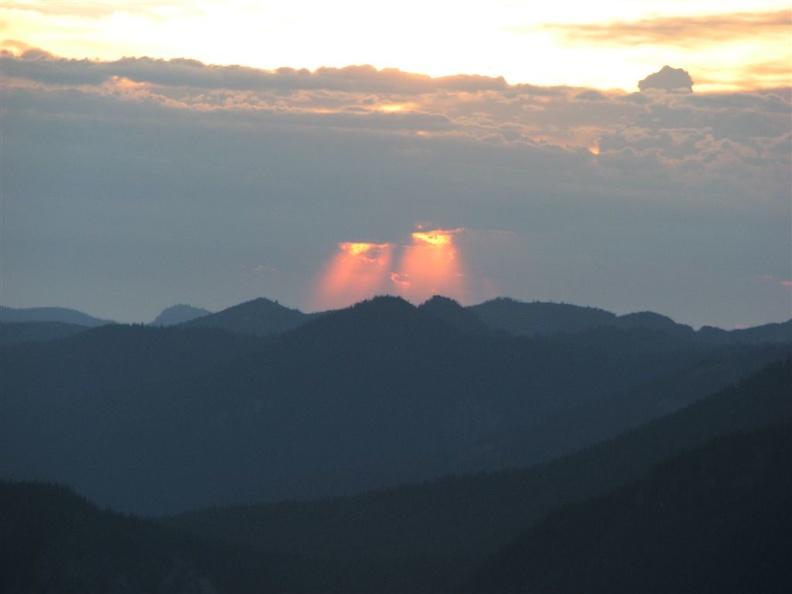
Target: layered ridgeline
[
  {"x": 64, "y": 315},
  {"x": 264, "y": 317},
  {"x": 713, "y": 517},
  {"x": 161, "y": 420}
]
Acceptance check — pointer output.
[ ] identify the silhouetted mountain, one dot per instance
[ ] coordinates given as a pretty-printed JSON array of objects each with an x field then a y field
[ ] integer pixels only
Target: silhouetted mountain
[
  {"x": 651, "y": 321},
  {"x": 451, "y": 312},
  {"x": 56, "y": 541},
  {"x": 537, "y": 318},
  {"x": 178, "y": 314},
  {"x": 49, "y": 314},
  {"x": 780, "y": 333},
  {"x": 157, "y": 420},
  {"x": 454, "y": 523},
  {"x": 530, "y": 319},
  {"x": 260, "y": 317},
  {"x": 716, "y": 519},
  {"x": 19, "y": 332}
]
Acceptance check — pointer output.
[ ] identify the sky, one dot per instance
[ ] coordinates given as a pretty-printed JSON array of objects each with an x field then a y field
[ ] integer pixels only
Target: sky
[{"x": 629, "y": 156}]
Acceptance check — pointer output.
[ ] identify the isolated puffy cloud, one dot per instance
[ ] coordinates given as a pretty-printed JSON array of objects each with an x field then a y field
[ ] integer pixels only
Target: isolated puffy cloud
[
  {"x": 135, "y": 184},
  {"x": 667, "y": 79}
]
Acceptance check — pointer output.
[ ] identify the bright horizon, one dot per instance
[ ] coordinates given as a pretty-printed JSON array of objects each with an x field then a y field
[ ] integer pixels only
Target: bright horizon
[{"x": 729, "y": 45}]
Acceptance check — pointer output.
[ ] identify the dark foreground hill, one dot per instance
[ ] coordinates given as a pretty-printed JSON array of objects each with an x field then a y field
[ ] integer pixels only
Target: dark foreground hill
[
  {"x": 438, "y": 531},
  {"x": 717, "y": 519},
  {"x": 713, "y": 519},
  {"x": 158, "y": 421},
  {"x": 54, "y": 541}
]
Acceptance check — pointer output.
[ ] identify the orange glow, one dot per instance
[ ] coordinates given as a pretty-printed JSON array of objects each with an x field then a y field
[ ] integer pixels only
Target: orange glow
[
  {"x": 431, "y": 265},
  {"x": 358, "y": 270},
  {"x": 395, "y": 107},
  {"x": 436, "y": 238}
]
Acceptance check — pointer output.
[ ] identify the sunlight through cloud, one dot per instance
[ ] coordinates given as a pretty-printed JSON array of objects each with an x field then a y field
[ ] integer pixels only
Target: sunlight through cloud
[
  {"x": 357, "y": 270},
  {"x": 429, "y": 265}
]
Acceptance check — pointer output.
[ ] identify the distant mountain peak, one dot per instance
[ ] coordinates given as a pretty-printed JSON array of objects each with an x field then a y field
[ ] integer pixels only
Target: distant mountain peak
[
  {"x": 392, "y": 302},
  {"x": 50, "y": 314},
  {"x": 260, "y": 316},
  {"x": 178, "y": 314},
  {"x": 548, "y": 318},
  {"x": 454, "y": 314},
  {"x": 650, "y": 320},
  {"x": 441, "y": 300}
]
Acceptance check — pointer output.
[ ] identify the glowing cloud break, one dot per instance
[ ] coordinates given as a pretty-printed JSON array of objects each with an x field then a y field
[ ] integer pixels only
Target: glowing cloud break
[{"x": 429, "y": 265}]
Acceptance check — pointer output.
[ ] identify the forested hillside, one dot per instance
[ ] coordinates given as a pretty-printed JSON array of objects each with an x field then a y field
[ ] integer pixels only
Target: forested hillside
[
  {"x": 156, "y": 420},
  {"x": 716, "y": 519},
  {"x": 442, "y": 528}
]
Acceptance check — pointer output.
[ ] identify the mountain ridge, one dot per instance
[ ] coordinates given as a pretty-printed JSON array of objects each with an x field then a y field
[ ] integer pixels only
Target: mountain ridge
[
  {"x": 50, "y": 314},
  {"x": 265, "y": 317},
  {"x": 179, "y": 314}
]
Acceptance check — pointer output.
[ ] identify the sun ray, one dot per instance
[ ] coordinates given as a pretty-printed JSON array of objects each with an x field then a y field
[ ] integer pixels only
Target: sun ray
[
  {"x": 430, "y": 265},
  {"x": 356, "y": 271}
]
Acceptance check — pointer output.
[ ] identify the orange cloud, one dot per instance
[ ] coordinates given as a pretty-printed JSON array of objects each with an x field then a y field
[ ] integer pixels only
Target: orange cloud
[
  {"x": 431, "y": 265},
  {"x": 678, "y": 30},
  {"x": 358, "y": 270}
]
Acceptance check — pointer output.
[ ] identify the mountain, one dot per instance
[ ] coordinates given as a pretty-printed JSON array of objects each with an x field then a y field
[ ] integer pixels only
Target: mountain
[
  {"x": 453, "y": 314},
  {"x": 720, "y": 512},
  {"x": 530, "y": 319},
  {"x": 716, "y": 519},
  {"x": 651, "y": 321},
  {"x": 20, "y": 332},
  {"x": 439, "y": 531},
  {"x": 49, "y": 314},
  {"x": 178, "y": 314},
  {"x": 538, "y": 318},
  {"x": 260, "y": 317},
  {"x": 53, "y": 540},
  {"x": 155, "y": 420},
  {"x": 765, "y": 334}
]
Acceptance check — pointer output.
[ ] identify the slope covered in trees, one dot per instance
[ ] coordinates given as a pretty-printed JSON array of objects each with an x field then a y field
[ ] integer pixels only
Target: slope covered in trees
[
  {"x": 443, "y": 528},
  {"x": 52, "y": 540},
  {"x": 713, "y": 519},
  {"x": 716, "y": 519},
  {"x": 162, "y": 420}
]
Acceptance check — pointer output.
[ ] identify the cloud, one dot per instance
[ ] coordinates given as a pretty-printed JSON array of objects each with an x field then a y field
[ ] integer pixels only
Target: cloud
[
  {"x": 99, "y": 9},
  {"x": 667, "y": 79},
  {"x": 682, "y": 31},
  {"x": 134, "y": 183}
]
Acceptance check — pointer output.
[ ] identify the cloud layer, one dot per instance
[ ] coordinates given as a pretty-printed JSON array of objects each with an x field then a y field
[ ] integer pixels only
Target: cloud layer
[{"x": 134, "y": 184}]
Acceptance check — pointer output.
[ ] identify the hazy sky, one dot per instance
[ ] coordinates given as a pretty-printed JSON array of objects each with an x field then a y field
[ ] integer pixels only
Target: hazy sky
[{"x": 212, "y": 152}]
